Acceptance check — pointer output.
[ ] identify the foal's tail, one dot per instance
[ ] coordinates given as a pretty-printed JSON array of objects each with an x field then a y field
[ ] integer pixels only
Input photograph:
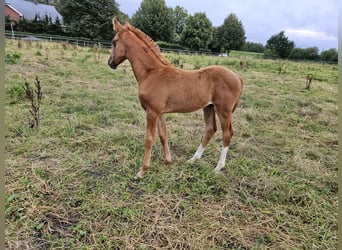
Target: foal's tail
[{"x": 238, "y": 100}]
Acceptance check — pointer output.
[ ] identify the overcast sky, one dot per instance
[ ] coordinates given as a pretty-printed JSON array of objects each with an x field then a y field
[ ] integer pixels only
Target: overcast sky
[{"x": 308, "y": 23}]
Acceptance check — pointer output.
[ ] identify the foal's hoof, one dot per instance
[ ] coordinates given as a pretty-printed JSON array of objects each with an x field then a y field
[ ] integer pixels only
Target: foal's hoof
[
  {"x": 218, "y": 168},
  {"x": 217, "y": 171},
  {"x": 194, "y": 158},
  {"x": 139, "y": 175}
]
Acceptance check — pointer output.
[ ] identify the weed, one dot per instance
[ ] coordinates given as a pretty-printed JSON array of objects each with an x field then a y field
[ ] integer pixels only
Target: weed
[
  {"x": 35, "y": 97},
  {"x": 85, "y": 58},
  {"x": 64, "y": 46},
  {"x": 19, "y": 44},
  {"x": 97, "y": 53},
  {"x": 282, "y": 66},
  {"x": 197, "y": 65},
  {"x": 16, "y": 93},
  {"x": 46, "y": 53},
  {"x": 28, "y": 44},
  {"x": 309, "y": 79},
  {"x": 244, "y": 64},
  {"x": 39, "y": 45},
  {"x": 12, "y": 58}
]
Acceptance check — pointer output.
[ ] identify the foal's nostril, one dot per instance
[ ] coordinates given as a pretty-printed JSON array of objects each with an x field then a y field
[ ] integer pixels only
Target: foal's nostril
[{"x": 111, "y": 63}]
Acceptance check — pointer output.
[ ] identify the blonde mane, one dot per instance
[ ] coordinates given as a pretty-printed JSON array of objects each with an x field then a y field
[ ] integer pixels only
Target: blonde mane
[{"x": 151, "y": 44}]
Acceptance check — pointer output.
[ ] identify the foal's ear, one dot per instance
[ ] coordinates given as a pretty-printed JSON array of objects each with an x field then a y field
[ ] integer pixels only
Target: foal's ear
[
  {"x": 116, "y": 24},
  {"x": 127, "y": 24}
]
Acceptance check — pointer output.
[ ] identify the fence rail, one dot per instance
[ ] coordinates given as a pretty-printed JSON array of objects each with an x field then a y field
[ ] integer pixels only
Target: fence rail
[
  {"x": 89, "y": 43},
  {"x": 58, "y": 39},
  {"x": 107, "y": 44}
]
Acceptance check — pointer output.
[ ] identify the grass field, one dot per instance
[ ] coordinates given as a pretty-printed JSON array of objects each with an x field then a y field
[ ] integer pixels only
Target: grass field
[{"x": 70, "y": 183}]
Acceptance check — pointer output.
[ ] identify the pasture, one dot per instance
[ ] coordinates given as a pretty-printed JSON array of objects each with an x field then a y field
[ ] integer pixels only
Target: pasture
[{"x": 70, "y": 182}]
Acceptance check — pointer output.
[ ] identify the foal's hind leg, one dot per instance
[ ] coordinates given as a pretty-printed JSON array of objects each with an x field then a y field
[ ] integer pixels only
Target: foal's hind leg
[
  {"x": 227, "y": 133},
  {"x": 164, "y": 138},
  {"x": 210, "y": 129}
]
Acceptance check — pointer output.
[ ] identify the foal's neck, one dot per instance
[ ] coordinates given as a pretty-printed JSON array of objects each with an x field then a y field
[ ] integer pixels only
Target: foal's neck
[{"x": 143, "y": 61}]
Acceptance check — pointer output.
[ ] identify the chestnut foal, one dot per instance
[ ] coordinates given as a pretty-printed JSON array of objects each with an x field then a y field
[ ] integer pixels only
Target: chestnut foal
[{"x": 163, "y": 88}]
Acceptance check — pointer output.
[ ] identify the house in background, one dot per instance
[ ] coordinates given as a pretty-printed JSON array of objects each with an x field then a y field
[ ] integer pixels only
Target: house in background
[{"x": 18, "y": 9}]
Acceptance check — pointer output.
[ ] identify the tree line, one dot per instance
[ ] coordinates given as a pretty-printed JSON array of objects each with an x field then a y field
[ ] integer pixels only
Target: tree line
[
  {"x": 281, "y": 47},
  {"x": 39, "y": 24},
  {"x": 195, "y": 32},
  {"x": 170, "y": 27}
]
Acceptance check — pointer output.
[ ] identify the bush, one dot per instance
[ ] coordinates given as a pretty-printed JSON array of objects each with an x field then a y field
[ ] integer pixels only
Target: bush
[
  {"x": 304, "y": 54},
  {"x": 330, "y": 55}
]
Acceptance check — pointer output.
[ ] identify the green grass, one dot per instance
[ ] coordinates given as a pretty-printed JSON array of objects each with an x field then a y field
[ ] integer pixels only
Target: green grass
[{"x": 70, "y": 184}]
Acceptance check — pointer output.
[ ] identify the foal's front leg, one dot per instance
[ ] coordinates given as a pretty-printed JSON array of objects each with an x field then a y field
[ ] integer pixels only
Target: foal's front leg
[{"x": 152, "y": 119}]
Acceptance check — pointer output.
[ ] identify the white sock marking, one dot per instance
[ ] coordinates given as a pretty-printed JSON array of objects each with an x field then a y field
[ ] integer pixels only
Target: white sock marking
[
  {"x": 222, "y": 161},
  {"x": 198, "y": 153}
]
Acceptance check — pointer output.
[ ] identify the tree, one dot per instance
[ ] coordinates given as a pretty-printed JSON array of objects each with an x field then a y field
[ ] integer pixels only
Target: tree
[
  {"x": 330, "y": 55},
  {"x": 198, "y": 32},
  {"x": 279, "y": 46},
  {"x": 55, "y": 27},
  {"x": 232, "y": 33},
  {"x": 179, "y": 15},
  {"x": 50, "y": 2},
  {"x": 311, "y": 53},
  {"x": 215, "y": 44},
  {"x": 155, "y": 19},
  {"x": 296, "y": 53},
  {"x": 253, "y": 47},
  {"x": 37, "y": 25},
  {"x": 91, "y": 18}
]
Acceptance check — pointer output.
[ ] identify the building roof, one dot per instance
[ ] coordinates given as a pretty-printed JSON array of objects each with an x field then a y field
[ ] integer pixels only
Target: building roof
[{"x": 29, "y": 10}]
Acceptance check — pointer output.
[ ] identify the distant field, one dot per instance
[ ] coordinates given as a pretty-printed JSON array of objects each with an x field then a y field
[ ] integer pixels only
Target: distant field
[{"x": 70, "y": 184}]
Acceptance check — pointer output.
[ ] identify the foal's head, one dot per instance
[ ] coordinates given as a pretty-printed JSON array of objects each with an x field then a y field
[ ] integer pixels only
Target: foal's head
[{"x": 118, "y": 54}]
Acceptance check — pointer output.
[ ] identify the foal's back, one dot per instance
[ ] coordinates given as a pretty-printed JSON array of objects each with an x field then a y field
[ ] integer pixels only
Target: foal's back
[{"x": 189, "y": 90}]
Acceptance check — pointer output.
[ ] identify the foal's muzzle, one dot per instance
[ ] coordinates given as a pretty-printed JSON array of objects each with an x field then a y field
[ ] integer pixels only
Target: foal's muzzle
[{"x": 111, "y": 63}]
